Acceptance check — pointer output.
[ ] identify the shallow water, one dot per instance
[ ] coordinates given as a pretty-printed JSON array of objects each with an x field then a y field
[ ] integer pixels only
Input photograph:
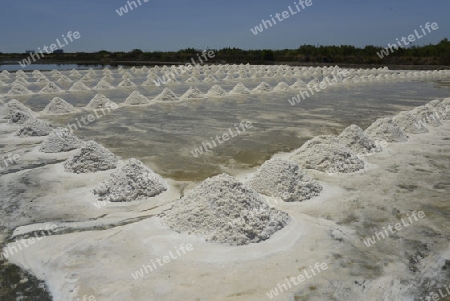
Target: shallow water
[{"x": 164, "y": 135}]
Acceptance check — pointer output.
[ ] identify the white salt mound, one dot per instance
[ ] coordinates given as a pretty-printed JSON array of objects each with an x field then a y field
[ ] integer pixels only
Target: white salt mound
[
  {"x": 263, "y": 87},
  {"x": 92, "y": 157},
  {"x": 386, "y": 129},
  {"x": 19, "y": 117},
  {"x": 408, "y": 123},
  {"x": 192, "y": 79},
  {"x": 132, "y": 182},
  {"x": 240, "y": 89},
  {"x": 284, "y": 179},
  {"x": 222, "y": 209},
  {"x": 34, "y": 127},
  {"x": 326, "y": 153},
  {"x": 210, "y": 79},
  {"x": 50, "y": 88},
  {"x": 60, "y": 140},
  {"x": 127, "y": 83},
  {"x": 136, "y": 98},
  {"x": 426, "y": 116},
  {"x": 192, "y": 93},
  {"x": 59, "y": 106},
  {"x": 282, "y": 86},
  {"x": 355, "y": 139},
  {"x": 13, "y": 106},
  {"x": 166, "y": 95},
  {"x": 18, "y": 89},
  {"x": 79, "y": 86},
  {"x": 100, "y": 101},
  {"x": 216, "y": 90},
  {"x": 103, "y": 85}
]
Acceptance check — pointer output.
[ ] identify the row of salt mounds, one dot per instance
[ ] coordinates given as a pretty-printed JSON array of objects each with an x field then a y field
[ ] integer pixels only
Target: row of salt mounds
[
  {"x": 284, "y": 179},
  {"x": 34, "y": 127},
  {"x": 192, "y": 93},
  {"x": 60, "y": 140},
  {"x": 136, "y": 98},
  {"x": 386, "y": 129},
  {"x": 133, "y": 181},
  {"x": 211, "y": 209},
  {"x": 356, "y": 140},
  {"x": 100, "y": 101},
  {"x": 326, "y": 153},
  {"x": 50, "y": 88},
  {"x": 240, "y": 88},
  {"x": 92, "y": 157},
  {"x": 166, "y": 95},
  {"x": 424, "y": 114},
  {"x": 216, "y": 90},
  {"x": 59, "y": 106},
  {"x": 408, "y": 123}
]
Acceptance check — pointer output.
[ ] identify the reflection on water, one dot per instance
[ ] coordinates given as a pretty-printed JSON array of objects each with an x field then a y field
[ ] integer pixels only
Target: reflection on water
[{"x": 163, "y": 135}]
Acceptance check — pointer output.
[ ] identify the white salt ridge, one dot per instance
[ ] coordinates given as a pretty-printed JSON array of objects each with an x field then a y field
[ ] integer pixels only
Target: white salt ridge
[
  {"x": 355, "y": 139},
  {"x": 192, "y": 93},
  {"x": 299, "y": 84},
  {"x": 134, "y": 181},
  {"x": 408, "y": 123},
  {"x": 222, "y": 209},
  {"x": 60, "y": 140},
  {"x": 103, "y": 85},
  {"x": 50, "y": 88},
  {"x": 79, "y": 86},
  {"x": 386, "y": 129},
  {"x": 282, "y": 86},
  {"x": 126, "y": 83},
  {"x": 59, "y": 106},
  {"x": 216, "y": 90},
  {"x": 263, "y": 87},
  {"x": 167, "y": 95},
  {"x": 18, "y": 89},
  {"x": 240, "y": 89},
  {"x": 136, "y": 98},
  {"x": 326, "y": 153},
  {"x": 284, "y": 179},
  {"x": 92, "y": 157},
  {"x": 34, "y": 127},
  {"x": 100, "y": 101}
]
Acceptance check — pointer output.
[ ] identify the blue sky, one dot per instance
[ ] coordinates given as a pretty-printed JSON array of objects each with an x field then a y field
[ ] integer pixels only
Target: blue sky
[{"x": 176, "y": 24}]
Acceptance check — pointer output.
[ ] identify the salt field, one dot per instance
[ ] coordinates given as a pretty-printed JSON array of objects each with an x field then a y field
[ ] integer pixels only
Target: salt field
[{"x": 226, "y": 183}]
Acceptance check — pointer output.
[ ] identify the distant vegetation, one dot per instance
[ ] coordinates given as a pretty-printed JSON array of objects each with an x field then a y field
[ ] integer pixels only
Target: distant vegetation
[{"x": 438, "y": 54}]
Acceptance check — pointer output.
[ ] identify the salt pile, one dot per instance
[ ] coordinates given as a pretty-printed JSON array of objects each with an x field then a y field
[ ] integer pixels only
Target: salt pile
[
  {"x": 284, "y": 179},
  {"x": 222, "y": 209},
  {"x": 50, "y": 88},
  {"x": 282, "y": 86},
  {"x": 326, "y": 153},
  {"x": 136, "y": 98},
  {"x": 13, "y": 106},
  {"x": 355, "y": 139},
  {"x": 132, "y": 182},
  {"x": 240, "y": 89},
  {"x": 166, "y": 95},
  {"x": 42, "y": 80},
  {"x": 92, "y": 157},
  {"x": 126, "y": 83},
  {"x": 19, "y": 117},
  {"x": 425, "y": 115},
  {"x": 103, "y": 85},
  {"x": 192, "y": 79},
  {"x": 60, "y": 140},
  {"x": 34, "y": 127},
  {"x": 192, "y": 93},
  {"x": 79, "y": 86},
  {"x": 299, "y": 84},
  {"x": 18, "y": 89},
  {"x": 386, "y": 129},
  {"x": 210, "y": 79},
  {"x": 408, "y": 123},
  {"x": 100, "y": 101},
  {"x": 263, "y": 87},
  {"x": 216, "y": 90},
  {"x": 59, "y": 106}
]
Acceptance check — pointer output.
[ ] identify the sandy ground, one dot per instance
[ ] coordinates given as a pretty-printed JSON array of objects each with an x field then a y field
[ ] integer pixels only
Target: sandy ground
[{"x": 95, "y": 251}]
